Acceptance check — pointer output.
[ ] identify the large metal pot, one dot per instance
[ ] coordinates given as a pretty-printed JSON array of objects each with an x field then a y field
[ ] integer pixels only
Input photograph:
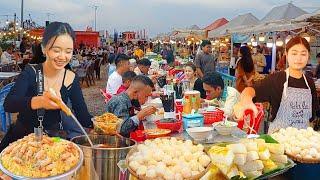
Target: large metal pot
[{"x": 103, "y": 163}]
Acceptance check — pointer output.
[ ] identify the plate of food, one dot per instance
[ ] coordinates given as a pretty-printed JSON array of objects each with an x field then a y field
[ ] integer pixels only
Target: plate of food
[
  {"x": 106, "y": 124},
  {"x": 50, "y": 158},
  {"x": 168, "y": 158},
  {"x": 154, "y": 133},
  {"x": 250, "y": 159},
  {"x": 301, "y": 145}
]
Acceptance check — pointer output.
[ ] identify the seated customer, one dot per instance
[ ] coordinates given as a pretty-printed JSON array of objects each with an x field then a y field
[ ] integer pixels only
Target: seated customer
[
  {"x": 195, "y": 83},
  {"x": 143, "y": 67},
  {"x": 115, "y": 79},
  {"x": 213, "y": 85},
  {"x": 127, "y": 77},
  {"x": 140, "y": 89}
]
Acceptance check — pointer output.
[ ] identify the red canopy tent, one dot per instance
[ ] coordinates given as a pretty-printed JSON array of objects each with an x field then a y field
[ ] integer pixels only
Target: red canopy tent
[
  {"x": 88, "y": 38},
  {"x": 217, "y": 23}
]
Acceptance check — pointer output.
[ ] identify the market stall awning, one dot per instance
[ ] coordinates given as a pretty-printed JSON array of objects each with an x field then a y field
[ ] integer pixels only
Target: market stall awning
[
  {"x": 185, "y": 33},
  {"x": 239, "y": 21},
  {"x": 217, "y": 23},
  {"x": 284, "y": 12},
  {"x": 277, "y": 26},
  {"x": 310, "y": 17}
]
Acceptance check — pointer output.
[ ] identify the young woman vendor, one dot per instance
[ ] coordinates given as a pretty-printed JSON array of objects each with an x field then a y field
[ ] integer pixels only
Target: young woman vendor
[
  {"x": 291, "y": 94},
  {"x": 30, "y": 96}
]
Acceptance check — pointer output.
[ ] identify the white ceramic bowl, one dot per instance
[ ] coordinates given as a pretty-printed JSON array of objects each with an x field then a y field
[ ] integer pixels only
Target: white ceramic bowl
[
  {"x": 223, "y": 129},
  {"x": 199, "y": 133}
]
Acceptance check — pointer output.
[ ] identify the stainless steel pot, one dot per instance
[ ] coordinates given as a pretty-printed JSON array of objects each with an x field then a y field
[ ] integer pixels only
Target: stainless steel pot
[{"x": 103, "y": 163}]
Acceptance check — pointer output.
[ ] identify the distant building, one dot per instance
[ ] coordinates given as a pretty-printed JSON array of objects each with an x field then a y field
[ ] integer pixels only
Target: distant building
[{"x": 128, "y": 35}]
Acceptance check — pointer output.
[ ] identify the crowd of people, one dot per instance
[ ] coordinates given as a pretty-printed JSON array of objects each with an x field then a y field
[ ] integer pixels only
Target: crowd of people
[{"x": 130, "y": 83}]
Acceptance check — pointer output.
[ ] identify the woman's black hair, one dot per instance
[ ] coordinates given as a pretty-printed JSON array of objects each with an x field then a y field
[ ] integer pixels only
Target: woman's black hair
[
  {"x": 55, "y": 29},
  {"x": 246, "y": 61},
  {"x": 190, "y": 64}
]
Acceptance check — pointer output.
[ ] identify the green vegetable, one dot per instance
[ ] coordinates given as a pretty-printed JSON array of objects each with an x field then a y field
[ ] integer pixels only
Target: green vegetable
[
  {"x": 56, "y": 139},
  {"x": 268, "y": 138}
]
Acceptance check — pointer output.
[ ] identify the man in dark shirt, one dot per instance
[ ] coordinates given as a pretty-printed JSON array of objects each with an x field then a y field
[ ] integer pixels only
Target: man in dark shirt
[
  {"x": 121, "y": 106},
  {"x": 205, "y": 61}
]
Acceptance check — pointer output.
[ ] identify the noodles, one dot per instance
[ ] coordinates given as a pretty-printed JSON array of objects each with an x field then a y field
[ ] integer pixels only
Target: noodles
[{"x": 49, "y": 157}]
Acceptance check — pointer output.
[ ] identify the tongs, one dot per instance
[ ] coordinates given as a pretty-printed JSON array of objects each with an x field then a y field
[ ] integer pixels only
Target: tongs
[{"x": 68, "y": 112}]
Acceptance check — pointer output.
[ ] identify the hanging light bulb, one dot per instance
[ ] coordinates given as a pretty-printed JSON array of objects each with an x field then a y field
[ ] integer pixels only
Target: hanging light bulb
[
  {"x": 288, "y": 38},
  {"x": 306, "y": 36},
  {"x": 279, "y": 42},
  {"x": 216, "y": 41},
  {"x": 262, "y": 38},
  {"x": 226, "y": 39},
  {"x": 269, "y": 42}
]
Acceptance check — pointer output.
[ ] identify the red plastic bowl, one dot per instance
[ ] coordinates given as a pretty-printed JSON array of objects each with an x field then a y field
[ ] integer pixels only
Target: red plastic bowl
[{"x": 175, "y": 126}]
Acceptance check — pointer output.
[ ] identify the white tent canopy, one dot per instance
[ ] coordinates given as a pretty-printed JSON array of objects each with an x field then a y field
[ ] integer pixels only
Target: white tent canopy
[
  {"x": 194, "y": 27},
  {"x": 239, "y": 21},
  {"x": 284, "y": 12},
  {"x": 276, "y": 26},
  {"x": 305, "y": 17}
]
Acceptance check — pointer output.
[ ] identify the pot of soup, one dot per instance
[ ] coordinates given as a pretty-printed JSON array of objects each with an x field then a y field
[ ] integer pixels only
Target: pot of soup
[{"x": 106, "y": 159}]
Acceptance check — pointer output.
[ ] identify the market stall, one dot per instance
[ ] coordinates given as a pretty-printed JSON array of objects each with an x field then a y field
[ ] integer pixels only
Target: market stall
[{"x": 222, "y": 40}]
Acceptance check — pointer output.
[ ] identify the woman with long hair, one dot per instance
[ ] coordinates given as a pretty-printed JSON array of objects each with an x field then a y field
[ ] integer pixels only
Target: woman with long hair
[
  {"x": 194, "y": 82},
  {"x": 32, "y": 96},
  {"x": 245, "y": 69}
]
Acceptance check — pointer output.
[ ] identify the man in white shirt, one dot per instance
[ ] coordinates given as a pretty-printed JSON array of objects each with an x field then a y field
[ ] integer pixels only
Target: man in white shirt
[
  {"x": 6, "y": 56},
  {"x": 115, "y": 79},
  {"x": 143, "y": 67}
]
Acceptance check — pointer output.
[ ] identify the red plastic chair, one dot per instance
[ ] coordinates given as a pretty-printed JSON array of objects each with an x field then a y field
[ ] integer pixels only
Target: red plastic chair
[
  {"x": 106, "y": 95},
  {"x": 254, "y": 123}
]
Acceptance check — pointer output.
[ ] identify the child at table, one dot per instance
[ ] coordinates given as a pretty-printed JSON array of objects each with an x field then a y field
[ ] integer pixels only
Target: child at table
[{"x": 127, "y": 77}]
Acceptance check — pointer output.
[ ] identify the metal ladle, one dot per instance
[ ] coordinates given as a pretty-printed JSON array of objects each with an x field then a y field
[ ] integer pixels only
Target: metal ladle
[{"x": 68, "y": 112}]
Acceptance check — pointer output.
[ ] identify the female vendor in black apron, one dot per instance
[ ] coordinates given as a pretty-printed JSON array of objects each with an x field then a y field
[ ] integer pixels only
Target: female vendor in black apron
[
  {"x": 292, "y": 97},
  {"x": 30, "y": 95}
]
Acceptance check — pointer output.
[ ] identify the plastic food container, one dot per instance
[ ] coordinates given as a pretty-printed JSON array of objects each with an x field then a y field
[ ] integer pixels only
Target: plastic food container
[
  {"x": 173, "y": 126},
  {"x": 106, "y": 128},
  {"x": 212, "y": 116},
  {"x": 192, "y": 120}
]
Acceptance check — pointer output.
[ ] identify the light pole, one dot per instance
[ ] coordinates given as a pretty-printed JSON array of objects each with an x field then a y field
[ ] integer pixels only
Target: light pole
[
  {"x": 95, "y": 7},
  {"x": 22, "y": 13},
  {"x": 48, "y": 16}
]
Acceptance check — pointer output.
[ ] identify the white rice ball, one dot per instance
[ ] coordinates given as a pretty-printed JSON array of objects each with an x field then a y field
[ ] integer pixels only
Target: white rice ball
[
  {"x": 204, "y": 160},
  {"x": 200, "y": 147},
  {"x": 169, "y": 175},
  {"x": 142, "y": 170},
  {"x": 151, "y": 173},
  {"x": 134, "y": 165},
  {"x": 186, "y": 172},
  {"x": 188, "y": 156},
  {"x": 178, "y": 176},
  {"x": 194, "y": 173}
]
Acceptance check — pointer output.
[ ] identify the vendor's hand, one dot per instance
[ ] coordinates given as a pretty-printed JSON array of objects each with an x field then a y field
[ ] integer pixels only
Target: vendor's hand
[
  {"x": 46, "y": 101},
  {"x": 146, "y": 112},
  {"x": 241, "y": 106}
]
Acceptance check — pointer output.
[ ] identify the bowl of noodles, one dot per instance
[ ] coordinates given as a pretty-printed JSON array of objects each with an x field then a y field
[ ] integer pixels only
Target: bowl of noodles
[
  {"x": 106, "y": 124},
  {"x": 51, "y": 158}
]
